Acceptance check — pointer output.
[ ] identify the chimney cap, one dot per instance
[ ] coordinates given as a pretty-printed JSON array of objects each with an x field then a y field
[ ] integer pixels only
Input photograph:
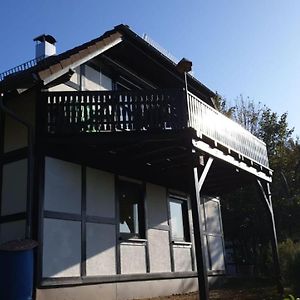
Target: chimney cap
[{"x": 45, "y": 38}]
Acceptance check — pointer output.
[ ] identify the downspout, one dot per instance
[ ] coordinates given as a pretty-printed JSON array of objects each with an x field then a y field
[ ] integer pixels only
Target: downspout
[{"x": 30, "y": 166}]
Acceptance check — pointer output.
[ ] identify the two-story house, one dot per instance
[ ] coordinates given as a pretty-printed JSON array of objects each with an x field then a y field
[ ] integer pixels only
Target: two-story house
[{"x": 114, "y": 159}]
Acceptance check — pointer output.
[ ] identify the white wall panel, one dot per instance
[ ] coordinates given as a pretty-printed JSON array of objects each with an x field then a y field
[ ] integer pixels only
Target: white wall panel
[
  {"x": 62, "y": 88},
  {"x": 14, "y": 189},
  {"x": 133, "y": 259},
  {"x": 182, "y": 258},
  {"x": 212, "y": 216},
  {"x": 94, "y": 80},
  {"x": 100, "y": 193},
  {"x": 156, "y": 201},
  {"x": 216, "y": 253},
  {"x": 159, "y": 251},
  {"x": 62, "y": 186},
  {"x": 100, "y": 249},
  {"x": 61, "y": 248},
  {"x": 12, "y": 231}
]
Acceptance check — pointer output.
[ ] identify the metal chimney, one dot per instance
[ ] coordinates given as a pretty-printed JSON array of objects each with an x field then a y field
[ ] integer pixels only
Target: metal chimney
[{"x": 45, "y": 46}]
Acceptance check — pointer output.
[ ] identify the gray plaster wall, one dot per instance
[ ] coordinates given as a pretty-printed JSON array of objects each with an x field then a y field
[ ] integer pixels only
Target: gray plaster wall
[
  {"x": 214, "y": 234},
  {"x": 12, "y": 231},
  {"x": 133, "y": 258},
  {"x": 62, "y": 238},
  {"x": 159, "y": 251},
  {"x": 158, "y": 240},
  {"x": 62, "y": 186},
  {"x": 94, "y": 80},
  {"x": 100, "y": 193},
  {"x": 216, "y": 253},
  {"x": 14, "y": 188},
  {"x": 61, "y": 248},
  {"x": 182, "y": 258},
  {"x": 121, "y": 291},
  {"x": 157, "y": 205},
  {"x": 15, "y": 134},
  {"x": 100, "y": 249}
]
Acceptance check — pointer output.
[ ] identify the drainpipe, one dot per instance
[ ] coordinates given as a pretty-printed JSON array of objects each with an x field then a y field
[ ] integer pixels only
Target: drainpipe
[{"x": 30, "y": 166}]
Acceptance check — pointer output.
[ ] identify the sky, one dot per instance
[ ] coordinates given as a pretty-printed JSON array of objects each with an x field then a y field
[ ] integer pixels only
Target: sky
[{"x": 248, "y": 47}]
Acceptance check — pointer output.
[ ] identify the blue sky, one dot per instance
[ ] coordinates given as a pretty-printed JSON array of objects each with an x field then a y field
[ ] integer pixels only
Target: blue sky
[{"x": 237, "y": 46}]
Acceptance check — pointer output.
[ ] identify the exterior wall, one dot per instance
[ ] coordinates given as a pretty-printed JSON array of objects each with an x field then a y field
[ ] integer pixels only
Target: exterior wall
[
  {"x": 13, "y": 167},
  {"x": 158, "y": 228},
  {"x": 13, "y": 200},
  {"x": 62, "y": 88},
  {"x": 12, "y": 231},
  {"x": 81, "y": 200},
  {"x": 80, "y": 238},
  {"x": 95, "y": 80},
  {"x": 15, "y": 134},
  {"x": 121, "y": 291},
  {"x": 213, "y": 235}
]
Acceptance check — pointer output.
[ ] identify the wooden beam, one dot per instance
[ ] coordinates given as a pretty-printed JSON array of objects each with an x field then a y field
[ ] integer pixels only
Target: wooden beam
[
  {"x": 204, "y": 173},
  {"x": 266, "y": 197},
  {"x": 195, "y": 189},
  {"x": 216, "y": 153}
]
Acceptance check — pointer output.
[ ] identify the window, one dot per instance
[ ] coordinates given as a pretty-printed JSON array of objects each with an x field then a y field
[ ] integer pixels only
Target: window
[
  {"x": 179, "y": 220},
  {"x": 131, "y": 210}
]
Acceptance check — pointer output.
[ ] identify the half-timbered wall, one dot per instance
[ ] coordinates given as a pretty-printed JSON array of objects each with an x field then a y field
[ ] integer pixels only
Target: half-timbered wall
[
  {"x": 80, "y": 227},
  {"x": 213, "y": 235},
  {"x": 14, "y": 167}
]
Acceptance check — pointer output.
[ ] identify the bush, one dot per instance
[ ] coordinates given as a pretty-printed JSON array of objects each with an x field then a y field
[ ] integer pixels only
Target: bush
[{"x": 289, "y": 254}]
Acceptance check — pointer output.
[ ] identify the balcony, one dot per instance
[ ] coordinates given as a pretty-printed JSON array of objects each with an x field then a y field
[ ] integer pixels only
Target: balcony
[{"x": 90, "y": 112}]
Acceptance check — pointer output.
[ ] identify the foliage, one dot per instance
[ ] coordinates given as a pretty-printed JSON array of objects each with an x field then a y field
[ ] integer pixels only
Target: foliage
[
  {"x": 242, "y": 211},
  {"x": 221, "y": 105},
  {"x": 289, "y": 254},
  {"x": 248, "y": 114}
]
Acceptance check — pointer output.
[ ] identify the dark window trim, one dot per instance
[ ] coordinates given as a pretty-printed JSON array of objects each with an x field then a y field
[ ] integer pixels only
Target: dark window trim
[
  {"x": 141, "y": 210},
  {"x": 185, "y": 216}
]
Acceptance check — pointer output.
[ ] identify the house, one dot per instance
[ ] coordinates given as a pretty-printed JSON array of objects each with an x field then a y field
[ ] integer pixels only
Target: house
[{"x": 105, "y": 151}]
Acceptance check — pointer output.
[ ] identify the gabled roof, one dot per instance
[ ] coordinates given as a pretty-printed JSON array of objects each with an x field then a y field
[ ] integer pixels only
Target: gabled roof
[{"x": 53, "y": 67}]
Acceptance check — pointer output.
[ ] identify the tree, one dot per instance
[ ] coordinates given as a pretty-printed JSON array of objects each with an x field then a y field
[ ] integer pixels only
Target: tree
[
  {"x": 248, "y": 113},
  {"x": 284, "y": 158}
]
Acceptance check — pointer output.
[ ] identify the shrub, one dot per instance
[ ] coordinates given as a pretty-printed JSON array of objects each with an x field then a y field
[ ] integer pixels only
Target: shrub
[{"x": 289, "y": 254}]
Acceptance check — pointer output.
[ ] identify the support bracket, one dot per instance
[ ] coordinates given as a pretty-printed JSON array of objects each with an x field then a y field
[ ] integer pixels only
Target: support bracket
[{"x": 196, "y": 185}]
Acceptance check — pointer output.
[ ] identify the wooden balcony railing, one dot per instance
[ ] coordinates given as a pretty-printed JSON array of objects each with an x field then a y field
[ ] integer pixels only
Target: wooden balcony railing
[
  {"x": 108, "y": 111},
  {"x": 211, "y": 123}
]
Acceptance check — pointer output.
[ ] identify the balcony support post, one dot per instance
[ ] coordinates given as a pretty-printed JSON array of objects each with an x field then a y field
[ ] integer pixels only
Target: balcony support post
[
  {"x": 267, "y": 200},
  {"x": 196, "y": 184}
]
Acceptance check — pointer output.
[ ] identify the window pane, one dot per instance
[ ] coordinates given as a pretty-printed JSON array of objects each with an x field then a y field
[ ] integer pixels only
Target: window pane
[
  {"x": 176, "y": 220},
  {"x": 130, "y": 199}
]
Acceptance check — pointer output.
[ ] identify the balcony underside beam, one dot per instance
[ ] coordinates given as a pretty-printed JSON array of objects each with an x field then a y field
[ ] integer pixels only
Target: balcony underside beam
[{"x": 216, "y": 153}]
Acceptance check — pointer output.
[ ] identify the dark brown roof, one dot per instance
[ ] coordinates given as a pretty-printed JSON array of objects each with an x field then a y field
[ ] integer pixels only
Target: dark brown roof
[
  {"x": 53, "y": 67},
  {"x": 50, "y": 68}
]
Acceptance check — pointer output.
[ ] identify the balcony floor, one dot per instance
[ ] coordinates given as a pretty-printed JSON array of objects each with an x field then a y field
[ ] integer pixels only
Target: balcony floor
[{"x": 159, "y": 157}]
